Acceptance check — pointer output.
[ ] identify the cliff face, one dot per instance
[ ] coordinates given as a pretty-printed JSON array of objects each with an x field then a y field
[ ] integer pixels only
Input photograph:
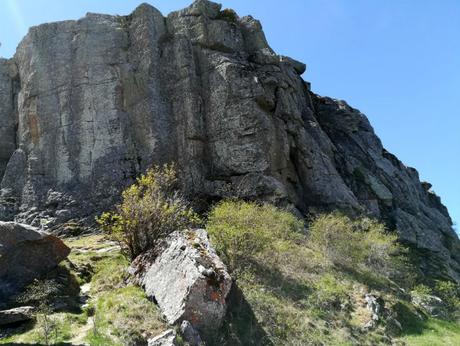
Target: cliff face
[
  {"x": 86, "y": 105},
  {"x": 7, "y": 114}
]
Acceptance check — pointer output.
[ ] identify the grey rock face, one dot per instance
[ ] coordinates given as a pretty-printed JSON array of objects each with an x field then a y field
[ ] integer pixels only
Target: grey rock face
[
  {"x": 21, "y": 314},
  {"x": 26, "y": 254},
  {"x": 187, "y": 279},
  {"x": 7, "y": 113},
  {"x": 98, "y": 100}
]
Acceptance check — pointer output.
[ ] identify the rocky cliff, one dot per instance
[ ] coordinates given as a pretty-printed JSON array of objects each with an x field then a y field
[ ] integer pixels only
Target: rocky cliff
[{"x": 86, "y": 105}]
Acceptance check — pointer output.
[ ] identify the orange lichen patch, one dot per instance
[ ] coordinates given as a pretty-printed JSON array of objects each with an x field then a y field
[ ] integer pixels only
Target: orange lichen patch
[{"x": 215, "y": 296}]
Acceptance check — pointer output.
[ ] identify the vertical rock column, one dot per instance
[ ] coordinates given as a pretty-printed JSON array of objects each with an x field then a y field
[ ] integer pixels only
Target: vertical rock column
[{"x": 7, "y": 118}]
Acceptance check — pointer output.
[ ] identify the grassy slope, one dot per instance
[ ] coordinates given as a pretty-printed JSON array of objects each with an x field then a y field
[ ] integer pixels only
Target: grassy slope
[
  {"x": 294, "y": 298},
  {"x": 302, "y": 301},
  {"x": 435, "y": 332},
  {"x": 115, "y": 314}
]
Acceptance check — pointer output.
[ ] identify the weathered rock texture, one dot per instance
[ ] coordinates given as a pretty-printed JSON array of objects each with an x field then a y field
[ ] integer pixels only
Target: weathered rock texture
[
  {"x": 7, "y": 113},
  {"x": 21, "y": 314},
  {"x": 187, "y": 279},
  {"x": 167, "y": 338},
  {"x": 86, "y": 105},
  {"x": 26, "y": 254}
]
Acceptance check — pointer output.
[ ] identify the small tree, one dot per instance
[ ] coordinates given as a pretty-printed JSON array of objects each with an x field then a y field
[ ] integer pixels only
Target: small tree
[
  {"x": 41, "y": 294},
  {"x": 151, "y": 208}
]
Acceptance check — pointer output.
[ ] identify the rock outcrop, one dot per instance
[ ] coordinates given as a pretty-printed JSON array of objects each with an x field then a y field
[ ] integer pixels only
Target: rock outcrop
[
  {"x": 16, "y": 315},
  {"x": 87, "y": 105},
  {"x": 187, "y": 279},
  {"x": 26, "y": 254},
  {"x": 7, "y": 113}
]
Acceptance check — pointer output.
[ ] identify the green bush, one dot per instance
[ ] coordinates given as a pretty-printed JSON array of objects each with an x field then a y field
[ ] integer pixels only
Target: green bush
[
  {"x": 421, "y": 290},
  {"x": 449, "y": 292},
  {"x": 150, "y": 209},
  {"x": 243, "y": 230},
  {"x": 329, "y": 293},
  {"x": 361, "y": 244}
]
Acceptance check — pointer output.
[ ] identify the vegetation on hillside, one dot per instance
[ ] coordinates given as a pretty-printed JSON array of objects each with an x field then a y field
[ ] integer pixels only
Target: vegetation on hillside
[
  {"x": 297, "y": 283},
  {"x": 308, "y": 287},
  {"x": 115, "y": 313}
]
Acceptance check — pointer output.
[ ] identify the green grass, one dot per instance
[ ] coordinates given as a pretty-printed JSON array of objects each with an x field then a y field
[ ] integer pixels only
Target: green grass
[
  {"x": 125, "y": 316},
  {"x": 109, "y": 273},
  {"x": 435, "y": 332}
]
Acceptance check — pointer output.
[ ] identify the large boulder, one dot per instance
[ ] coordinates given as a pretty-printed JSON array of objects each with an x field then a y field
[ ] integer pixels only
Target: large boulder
[
  {"x": 26, "y": 254},
  {"x": 16, "y": 315},
  {"x": 187, "y": 279}
]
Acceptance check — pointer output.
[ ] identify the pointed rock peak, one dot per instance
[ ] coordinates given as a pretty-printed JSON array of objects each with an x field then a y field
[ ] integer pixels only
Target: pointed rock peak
[
  {"x": 201, "y": 8},
  {"x": 145, "y": 7}
]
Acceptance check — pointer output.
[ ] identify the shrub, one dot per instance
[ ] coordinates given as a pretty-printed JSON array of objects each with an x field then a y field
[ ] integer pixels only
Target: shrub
[
  {"x": 449, "y": 292},
  {"x": 329, "y": 294},
  {"x": 421, "y": 290},
  {"x": 363, "y": 243},
  {"x": 243, "y": 230},
  {"x": 151, "y": 208}
]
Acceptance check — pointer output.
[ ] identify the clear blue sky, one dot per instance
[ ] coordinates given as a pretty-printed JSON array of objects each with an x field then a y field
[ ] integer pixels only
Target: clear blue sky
[{"x": 398, "y": 61}]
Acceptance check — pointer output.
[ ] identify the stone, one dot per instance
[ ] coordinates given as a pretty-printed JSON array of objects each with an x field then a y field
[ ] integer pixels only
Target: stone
[
  {"x": 432, "y": 305},
  {"x": 375, "y": 306},
  {"x": 186, "y": 279},
  {"x": 190, "y": 334},
  {"x": 26, "y": 254},
  {"x": 167, "y": 338},
  {"x": 87, "y": 105},
  {"x": 20, "y": 314}
]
